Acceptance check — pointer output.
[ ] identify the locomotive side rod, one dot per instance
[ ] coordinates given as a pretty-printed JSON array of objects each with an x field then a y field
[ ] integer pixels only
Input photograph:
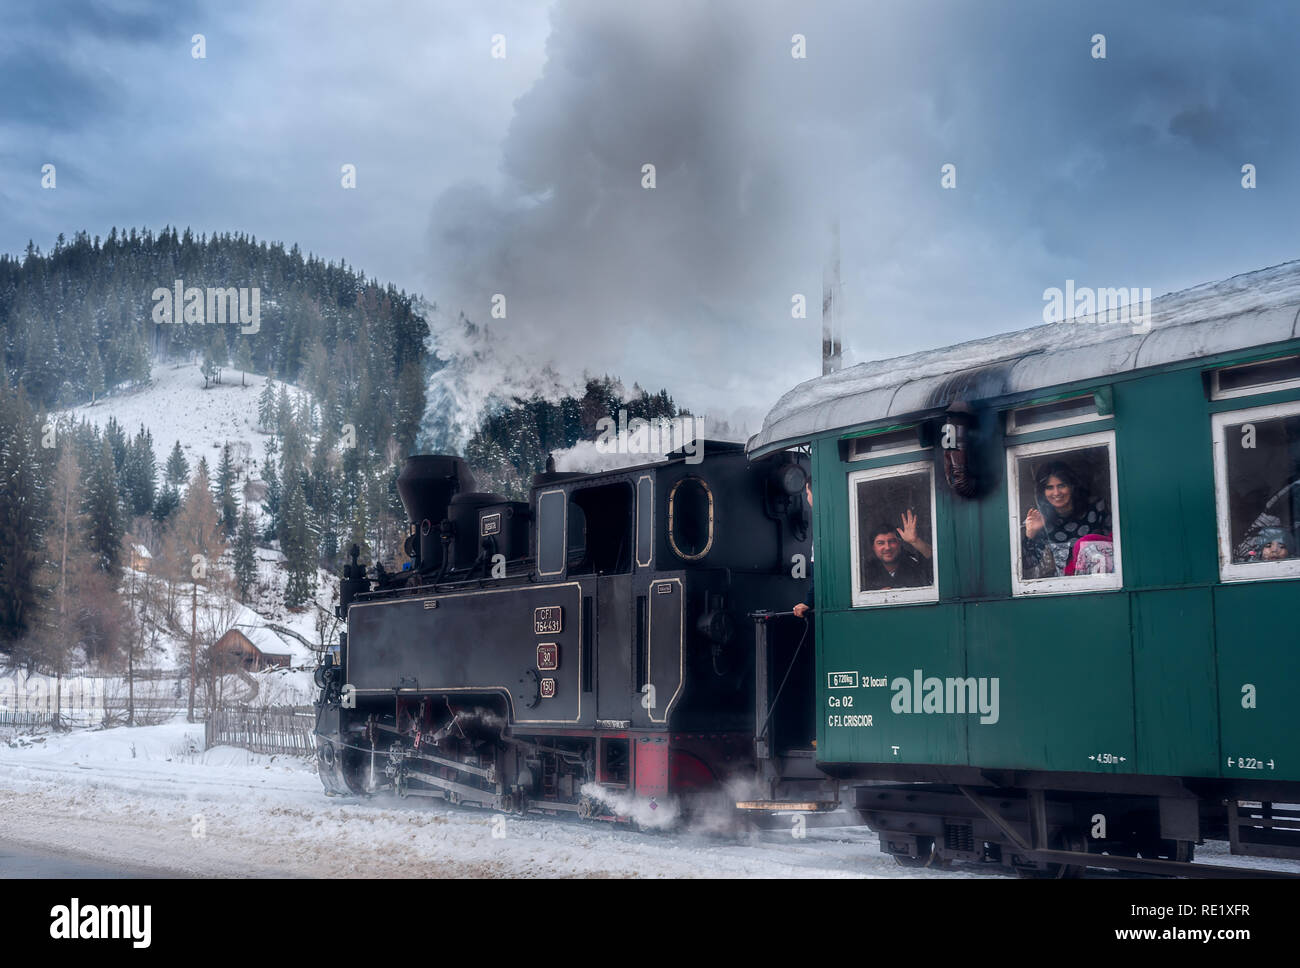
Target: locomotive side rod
[{"x": 451, "y": 786}]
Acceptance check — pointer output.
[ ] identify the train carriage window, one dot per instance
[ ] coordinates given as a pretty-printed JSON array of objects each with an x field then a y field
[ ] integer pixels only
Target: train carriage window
[
  {"x": 1261, "y": 377},
  {"x": 1257, "y": 490},
  {"x": 1056, "y": 413},
  {"x": 891, "y": 526},
  {"x": 1064, "y": 522}
]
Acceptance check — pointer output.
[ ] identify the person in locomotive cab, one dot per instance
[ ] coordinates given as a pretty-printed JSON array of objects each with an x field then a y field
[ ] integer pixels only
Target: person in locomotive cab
[
  {"x": 900, "y": 558},
  {"x": 1064, "y": 522},
  {"x": 805, "y": 607}
]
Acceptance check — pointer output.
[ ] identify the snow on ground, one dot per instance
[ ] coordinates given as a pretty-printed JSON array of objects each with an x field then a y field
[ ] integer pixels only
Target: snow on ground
[
  {"x": 230, "y": 813},
  {"x": 151, "y": 798}
]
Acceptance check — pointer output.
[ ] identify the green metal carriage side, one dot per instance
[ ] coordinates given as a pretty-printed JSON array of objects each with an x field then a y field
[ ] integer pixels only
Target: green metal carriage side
[{"x": 1178, "y": 673}]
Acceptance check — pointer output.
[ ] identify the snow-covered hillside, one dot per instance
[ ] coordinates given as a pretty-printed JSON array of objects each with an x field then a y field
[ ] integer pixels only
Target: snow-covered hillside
[{"x": 175, "y": 406}]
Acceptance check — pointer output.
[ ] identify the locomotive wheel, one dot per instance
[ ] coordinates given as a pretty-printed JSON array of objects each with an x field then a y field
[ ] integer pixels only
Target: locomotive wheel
[{"x": 927, "y": 856}]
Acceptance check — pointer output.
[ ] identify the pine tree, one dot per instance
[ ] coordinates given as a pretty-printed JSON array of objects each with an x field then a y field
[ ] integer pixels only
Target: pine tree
[
  {"x": 296, "y": 544},
  {"x": 225, "y": 492},
  {"x": 178, "y": 468},
  {"x": 169, "y": 499},
  {"x": 117, "y": 441},
  {"x": 243, "y": 360},
  {"x": 245, "y": 555},
  {"x": 266, "y": 405},
  {"x": 138, "y": 365},
  {"x": 209, "y": 367},
  {"x": 95, "y": 377},
  {"x": 218, "y": 352},
  {"x": 103, "y": 510},
  {"x": 272, "y": 502},
  {"x": 283, "y": 411},
  {"x": 24, "y": 507},
  {"x": 140, "y": 473}
]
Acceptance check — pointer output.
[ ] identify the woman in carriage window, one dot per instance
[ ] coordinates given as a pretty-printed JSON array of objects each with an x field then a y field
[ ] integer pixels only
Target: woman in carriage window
[{"x": 1067, "y": 533}]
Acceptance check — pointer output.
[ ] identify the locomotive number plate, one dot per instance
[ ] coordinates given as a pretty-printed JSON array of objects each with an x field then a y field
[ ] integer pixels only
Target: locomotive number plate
[
  {"x": 548, "y": 620},
  {"x": 548, "y": 688},
  {"x": 548, "y": 656},
  {"x": 491, "y": 524}
]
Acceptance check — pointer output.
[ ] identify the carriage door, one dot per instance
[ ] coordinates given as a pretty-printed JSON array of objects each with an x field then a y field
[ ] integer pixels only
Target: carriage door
[
  {"x": 607, "y": 557},
  {"x": 613, "y": 648}
]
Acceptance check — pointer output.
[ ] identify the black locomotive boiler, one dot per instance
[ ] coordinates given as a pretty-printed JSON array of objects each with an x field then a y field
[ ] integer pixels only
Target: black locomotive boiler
[{"x": 556, "y": 654}]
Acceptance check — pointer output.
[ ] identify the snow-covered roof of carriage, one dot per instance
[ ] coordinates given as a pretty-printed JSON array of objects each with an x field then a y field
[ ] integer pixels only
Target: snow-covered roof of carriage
[{"x": 1253, "y": 309}]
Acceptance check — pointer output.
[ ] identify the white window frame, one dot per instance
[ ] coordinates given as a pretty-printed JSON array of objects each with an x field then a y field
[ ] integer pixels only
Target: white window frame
[
  {"x": 1063, "y": 583},
  {"x": 891, "y": 596},
  {"x": 912, "y": 446},
  {"x": 1228, "y": 569},
  {"x": 1251, "y": 391},
  {"x": 1013, "y": 429}
]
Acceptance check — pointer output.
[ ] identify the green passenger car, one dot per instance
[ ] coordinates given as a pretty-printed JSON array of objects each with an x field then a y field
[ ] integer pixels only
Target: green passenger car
[{"x": 1065, "y": 560}]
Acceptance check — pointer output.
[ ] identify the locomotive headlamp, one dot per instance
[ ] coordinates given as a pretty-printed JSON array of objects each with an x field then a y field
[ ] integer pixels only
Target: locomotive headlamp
[
  {"x": 790, "y": 478},
  {"x": 717, "y": 626}
]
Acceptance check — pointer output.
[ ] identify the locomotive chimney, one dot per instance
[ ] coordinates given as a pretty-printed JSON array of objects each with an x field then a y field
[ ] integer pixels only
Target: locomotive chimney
[{"x": 426, "y": 486}]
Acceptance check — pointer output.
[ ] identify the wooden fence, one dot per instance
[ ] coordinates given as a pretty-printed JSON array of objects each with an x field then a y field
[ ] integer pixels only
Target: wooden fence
[{"x": 288, "y": 730}]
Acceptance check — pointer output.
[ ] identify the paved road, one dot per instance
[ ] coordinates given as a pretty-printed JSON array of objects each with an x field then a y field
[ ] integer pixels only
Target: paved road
[{"x": 22, "y": 861}]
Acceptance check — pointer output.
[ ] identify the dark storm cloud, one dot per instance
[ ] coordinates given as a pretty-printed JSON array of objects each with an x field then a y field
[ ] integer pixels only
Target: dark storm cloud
[
  {"x": 47, "y": 59},
  {"x": 523, "y": 176},
  {"x": 1068, "y": 166},
  {"x": 66, "y": 94}
]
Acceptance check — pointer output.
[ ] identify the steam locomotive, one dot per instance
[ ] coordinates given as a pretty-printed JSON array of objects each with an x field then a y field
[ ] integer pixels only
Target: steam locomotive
[{"x": 586, "y": 645}]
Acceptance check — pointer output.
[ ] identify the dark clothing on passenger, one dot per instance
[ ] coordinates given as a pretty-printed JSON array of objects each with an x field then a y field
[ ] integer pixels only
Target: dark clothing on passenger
[
  {"x": 908, "y": 573},
  {"x": 1046, "y": 554}
]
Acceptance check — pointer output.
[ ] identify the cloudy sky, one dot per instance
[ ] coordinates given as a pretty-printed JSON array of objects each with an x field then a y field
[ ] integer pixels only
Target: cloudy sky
[{"x": 522, "y": 174}]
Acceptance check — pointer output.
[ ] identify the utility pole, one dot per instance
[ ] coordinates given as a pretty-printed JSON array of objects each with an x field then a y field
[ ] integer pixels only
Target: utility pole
[
  {"x": 194, "y": 610},
  {"x": 63, "y": 600},
  {"x": 832, "y": 312}
]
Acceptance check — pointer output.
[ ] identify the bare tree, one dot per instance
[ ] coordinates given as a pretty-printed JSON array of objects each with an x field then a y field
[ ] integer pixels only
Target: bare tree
[
  {"x": 197, "y": 544},
  {"x": 216, "y": 616}
]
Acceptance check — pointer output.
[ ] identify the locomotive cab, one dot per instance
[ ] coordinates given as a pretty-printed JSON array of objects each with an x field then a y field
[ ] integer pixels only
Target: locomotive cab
[{"x": 593, "y": 640}]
